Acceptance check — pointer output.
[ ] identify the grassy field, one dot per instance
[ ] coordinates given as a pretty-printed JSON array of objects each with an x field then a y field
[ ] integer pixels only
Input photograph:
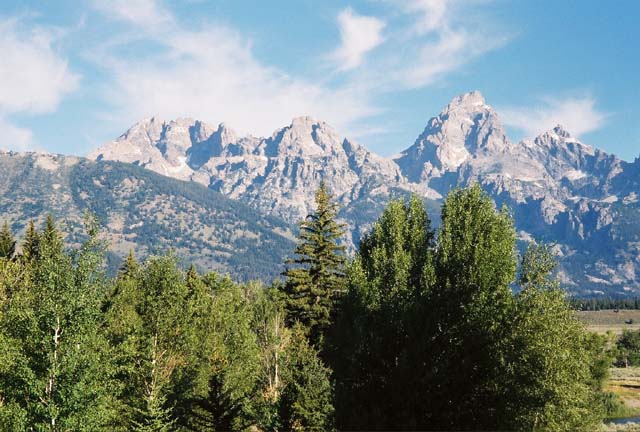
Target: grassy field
[
  {"x": 625, "y": 383},
  {"x": 608, "y": 320}
]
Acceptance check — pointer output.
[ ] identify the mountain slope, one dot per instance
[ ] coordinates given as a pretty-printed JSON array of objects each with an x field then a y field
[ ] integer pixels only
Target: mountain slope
[
  {"x": 144, "y": 211},
  {"x": 560, "y": 190}
]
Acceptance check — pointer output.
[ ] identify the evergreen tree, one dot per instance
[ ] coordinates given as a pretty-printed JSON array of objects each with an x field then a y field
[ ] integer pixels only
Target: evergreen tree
[
  {"x": 7, "y": 243},
  {"x": 305, "y": 402},
  {"x": 31, "y": 243},
  {"x": 316, "y": 277},
  {"x": 130, "y": 268}
]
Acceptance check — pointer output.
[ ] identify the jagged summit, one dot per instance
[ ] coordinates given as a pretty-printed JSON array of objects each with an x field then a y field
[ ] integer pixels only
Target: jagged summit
[
  {"x": 466, "y": 100},
  {"x": 277, "y": 174},
  {"x": 466, "y": 128},
  {"x": 561, "y": 131},
  {"x": 558, "y": 188}
]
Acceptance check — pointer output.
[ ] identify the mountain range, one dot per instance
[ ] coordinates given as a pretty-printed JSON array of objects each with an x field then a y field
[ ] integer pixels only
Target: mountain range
[{"x": 582, "y": 200}]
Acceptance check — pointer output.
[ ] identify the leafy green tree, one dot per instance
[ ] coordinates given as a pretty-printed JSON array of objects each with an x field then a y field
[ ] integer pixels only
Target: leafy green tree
[
  {"x": 553, "y": 368},
  {"x": 629, "y": 348},
  {"x": 317, "y": 272},
  {"x": 305, "y": 403},
  {"x": 147, "y": 326},
  {"x": 376, "y": 338},
  {"x": 272, "y": 337},
  {"x": 232, "y": 359},
  {"x": 58, "y": 372},
  {"x": 7, "y": 243},
  {"x": 469, "y": 308},
  {"x": 445, "y": 344}
]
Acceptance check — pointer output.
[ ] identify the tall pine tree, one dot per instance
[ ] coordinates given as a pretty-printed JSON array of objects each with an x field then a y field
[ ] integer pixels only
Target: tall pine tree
[
  {"x": 316, "y": 275},
  {"x": 31, "y": 244},
  {"x": 7, "y": 243}
]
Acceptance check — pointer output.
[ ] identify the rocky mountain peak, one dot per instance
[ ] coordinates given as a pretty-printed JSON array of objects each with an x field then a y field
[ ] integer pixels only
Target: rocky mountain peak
[
  {"x": 466, "y": 101},
  {"x": 305, "y": 136},
  {"x": 558, "y": 142},
  {"x": 467, "y": 128},
  {"x": 147, "y": 130},
  {"x": 561, "y": 131}
]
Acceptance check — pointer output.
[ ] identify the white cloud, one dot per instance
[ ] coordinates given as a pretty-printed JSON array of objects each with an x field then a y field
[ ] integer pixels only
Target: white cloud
[
  {"x": 447, "y": 35},
  {"x": 431, "y": 14},
  {"x": 146, "y": 13},
  {"x": 209, "y": 71},
  {"x": 578, "y": 115},
  {"x": 14, "y": 138},
  {"x": 211, "y": 74},
  {"x": 34, "y": 78},
  {"x": 359, "y": 34}
]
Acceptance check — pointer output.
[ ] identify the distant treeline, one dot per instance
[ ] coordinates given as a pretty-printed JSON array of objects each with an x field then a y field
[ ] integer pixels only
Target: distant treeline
[
  {"x": 420, "y": 331},
  {"x": 604, "y": 303}
]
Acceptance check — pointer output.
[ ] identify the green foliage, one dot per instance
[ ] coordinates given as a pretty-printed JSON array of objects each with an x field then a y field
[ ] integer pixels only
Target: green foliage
[
  {"x": 628, "y": 349},
  {"x": 553, "y": 368},
  {"x": 305, "y": 402},
  {"x": 312, "y": 285},
  {"x": 7, "y": 243},
  {"x": 56, "y": 373},
  {"x": 31, "y": 245},
  {"x": 378, "y": 331},
  {"x": 605, "y": 303},
  {"x": 151, "y": 324},
  {"x": 435, "y": 339},
  {"x": 425, "y": 334}
]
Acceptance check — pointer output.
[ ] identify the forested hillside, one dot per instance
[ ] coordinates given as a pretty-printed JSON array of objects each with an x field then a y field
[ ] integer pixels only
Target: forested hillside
[
  {"x": 145, "y": 212},
  {"x": 420, "y": 331}
]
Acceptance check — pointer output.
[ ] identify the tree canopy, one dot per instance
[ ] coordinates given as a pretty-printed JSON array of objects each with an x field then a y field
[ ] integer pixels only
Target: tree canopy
[{"x": 422, "y": 329}]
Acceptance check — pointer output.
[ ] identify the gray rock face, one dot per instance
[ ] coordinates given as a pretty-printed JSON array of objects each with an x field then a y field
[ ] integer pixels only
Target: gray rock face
[
  {"x": 277, "y": 175},
  {"x": 559, "y": 189}
]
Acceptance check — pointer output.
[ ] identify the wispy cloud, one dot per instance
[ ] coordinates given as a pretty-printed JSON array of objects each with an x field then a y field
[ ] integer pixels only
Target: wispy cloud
[
  {"x": 146, "y": 13},
  {"x": 431, "y": 15},
  {"x": 34, "y": 78},
  {"x": 578, "y": 115},
  {"x": 211, "y": 73},
  {"x": 13, "y": 137},
  {"x": 358, "y": 35},
  {"x": 447, "y": 35}
]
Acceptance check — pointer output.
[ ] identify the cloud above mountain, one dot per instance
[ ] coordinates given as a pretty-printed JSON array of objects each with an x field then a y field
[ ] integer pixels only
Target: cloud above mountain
[
  {"x": 209, "y": 69},
  {"x": 211, "y": 72},
  {"x": 34, "y": 77},
  {"x": 358, "y": 34},
  {"x": 579, "y": 115},
  {"x": 446, "y": 35}
]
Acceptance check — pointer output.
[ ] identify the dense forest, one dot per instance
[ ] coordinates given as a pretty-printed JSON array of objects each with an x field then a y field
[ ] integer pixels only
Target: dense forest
[{"x": 420, "y": 330}]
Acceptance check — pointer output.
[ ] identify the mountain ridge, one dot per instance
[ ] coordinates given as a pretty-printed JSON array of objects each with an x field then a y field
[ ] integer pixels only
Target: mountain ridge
[
  {"x": 560, "y": 190},
  {"x": 143, "y": 211}
]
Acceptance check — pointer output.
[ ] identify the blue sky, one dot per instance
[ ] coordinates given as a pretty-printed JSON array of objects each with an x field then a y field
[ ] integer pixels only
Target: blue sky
[{"x": 78, "y": 73}]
